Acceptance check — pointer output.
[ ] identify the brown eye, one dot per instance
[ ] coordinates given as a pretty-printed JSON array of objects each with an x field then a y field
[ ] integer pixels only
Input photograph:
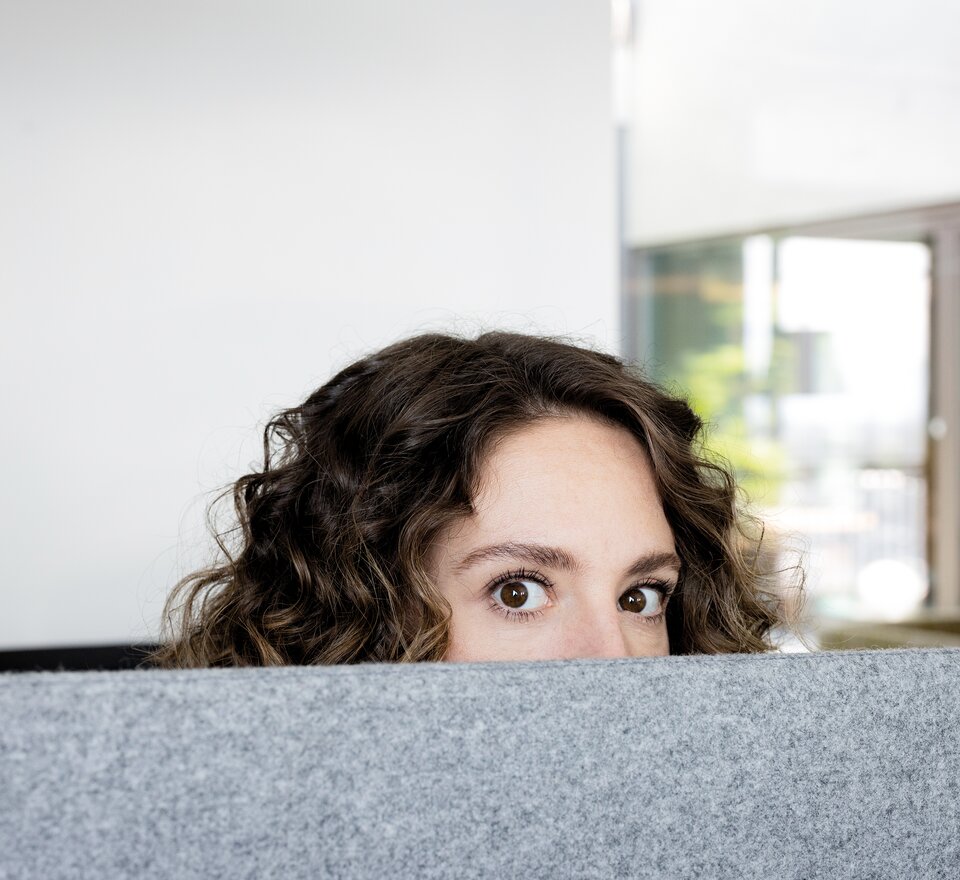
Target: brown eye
[
  {"x": 513, "y": 594},
  {"x": 519, "y": 593},
  {"x": 635, "y": 600}
]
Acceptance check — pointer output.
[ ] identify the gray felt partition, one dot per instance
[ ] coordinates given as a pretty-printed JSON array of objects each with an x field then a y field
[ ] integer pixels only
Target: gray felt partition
[{"x": 838, "y": 764}]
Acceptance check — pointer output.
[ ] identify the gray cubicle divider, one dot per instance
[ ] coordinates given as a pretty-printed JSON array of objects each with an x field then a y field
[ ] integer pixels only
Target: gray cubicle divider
[{"x": 837, "y": 764}]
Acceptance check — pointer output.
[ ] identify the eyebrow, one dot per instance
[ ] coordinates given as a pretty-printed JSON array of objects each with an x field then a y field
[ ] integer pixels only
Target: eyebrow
[{"x": 555, "y": 557}]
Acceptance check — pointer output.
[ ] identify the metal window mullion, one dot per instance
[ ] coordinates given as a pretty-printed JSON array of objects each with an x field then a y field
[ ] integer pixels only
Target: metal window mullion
[{"x": 945, "y": 408}]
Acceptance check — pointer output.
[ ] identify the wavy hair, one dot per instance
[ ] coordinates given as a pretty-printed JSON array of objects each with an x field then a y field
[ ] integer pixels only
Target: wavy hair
[{"x": 327, "y": 560}]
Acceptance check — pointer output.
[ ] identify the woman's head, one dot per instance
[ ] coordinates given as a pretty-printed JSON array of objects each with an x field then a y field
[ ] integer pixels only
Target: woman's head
[
  {"x": 568, "y": 538},
  {"x": 410, "y": 508}
]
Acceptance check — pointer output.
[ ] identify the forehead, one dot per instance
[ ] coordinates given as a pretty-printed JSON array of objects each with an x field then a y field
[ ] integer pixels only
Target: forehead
[{"x": 568, "y": 479}]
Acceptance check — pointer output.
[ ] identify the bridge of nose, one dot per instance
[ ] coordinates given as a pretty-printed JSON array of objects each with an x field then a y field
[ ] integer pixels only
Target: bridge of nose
[{"x": 593, "y": 625}]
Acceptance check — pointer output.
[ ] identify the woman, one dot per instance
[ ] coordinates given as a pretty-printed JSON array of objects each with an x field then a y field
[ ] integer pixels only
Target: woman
[{"x": 508, "y": 497}]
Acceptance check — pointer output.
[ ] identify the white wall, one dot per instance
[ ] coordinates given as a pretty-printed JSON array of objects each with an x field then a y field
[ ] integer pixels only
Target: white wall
[
  {"x": 208, "y": 207},
  {"x": 748, "y": 114}
]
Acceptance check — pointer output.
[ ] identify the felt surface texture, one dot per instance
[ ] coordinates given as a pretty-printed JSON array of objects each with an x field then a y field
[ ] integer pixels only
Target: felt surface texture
[{"x": 835, "y": 764}]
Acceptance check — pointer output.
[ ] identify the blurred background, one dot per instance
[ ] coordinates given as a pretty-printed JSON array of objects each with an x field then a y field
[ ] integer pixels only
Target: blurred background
[
  {"x": 207, "y": 208},
  {"x": 790, "y": 221}
]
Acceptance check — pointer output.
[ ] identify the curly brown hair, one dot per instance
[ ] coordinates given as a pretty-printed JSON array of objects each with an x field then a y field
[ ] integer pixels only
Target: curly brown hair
[{"x": 327, "y": 561}]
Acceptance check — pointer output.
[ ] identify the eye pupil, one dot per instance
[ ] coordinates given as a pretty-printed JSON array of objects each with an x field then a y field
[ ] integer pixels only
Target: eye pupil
[
  {"x": 514, "y": 594},
  {"x": 633, "y": 600}
]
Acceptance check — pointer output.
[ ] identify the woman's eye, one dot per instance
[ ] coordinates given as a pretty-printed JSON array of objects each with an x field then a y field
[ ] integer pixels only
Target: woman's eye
[
  {"x": 638, "y": 601},
  {"x": 521, "y": 594}
]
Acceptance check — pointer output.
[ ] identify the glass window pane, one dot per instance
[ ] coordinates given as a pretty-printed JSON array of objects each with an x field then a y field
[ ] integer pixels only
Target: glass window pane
[{"x": 808, "y": 358}]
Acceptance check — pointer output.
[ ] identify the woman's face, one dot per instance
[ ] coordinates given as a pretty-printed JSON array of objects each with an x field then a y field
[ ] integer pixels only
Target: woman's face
[{"x": 567, "y": 554}]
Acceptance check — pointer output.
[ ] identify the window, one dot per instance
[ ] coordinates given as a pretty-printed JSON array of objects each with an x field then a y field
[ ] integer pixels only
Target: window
[{"x": 810, "y": 355}]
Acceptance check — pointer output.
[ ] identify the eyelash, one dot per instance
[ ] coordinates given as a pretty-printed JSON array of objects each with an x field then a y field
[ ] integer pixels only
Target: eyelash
[{"x": 665, "y": 590}]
